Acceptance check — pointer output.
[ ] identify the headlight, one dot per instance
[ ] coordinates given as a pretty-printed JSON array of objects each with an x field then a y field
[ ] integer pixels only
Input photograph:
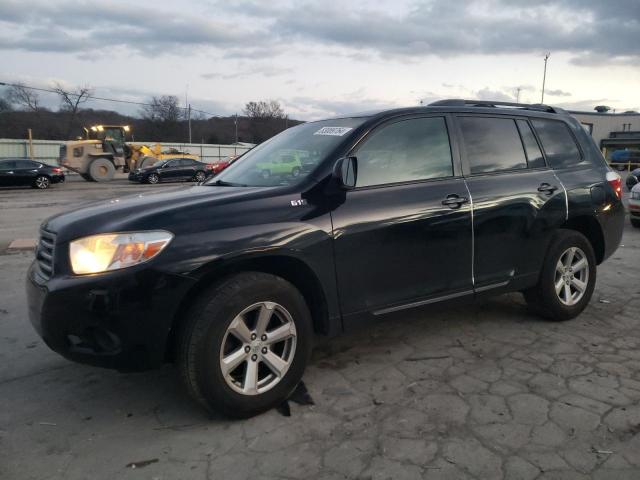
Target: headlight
[{"x": 113, "y": 251}]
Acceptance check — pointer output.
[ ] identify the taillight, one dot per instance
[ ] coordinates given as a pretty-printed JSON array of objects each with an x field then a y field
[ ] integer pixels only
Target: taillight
[
  {"x": 209, "y": 166},
  {"x": 616, "y": 183},
  {"x": 57, "y": 170}
]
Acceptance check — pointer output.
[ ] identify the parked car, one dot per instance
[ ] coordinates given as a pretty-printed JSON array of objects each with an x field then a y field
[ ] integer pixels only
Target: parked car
[
  {"x": 172, "y": 170},
  {"x": 633, "y": 178},
  {"x": 634, "y": 206},
  {"x": 23, "y": 172},
  {"x": 234, "y": 279},
  {"x": 282, "y": 164},
  {"x": 622, "y": 159},
  {"x": 216, "y": 167}
]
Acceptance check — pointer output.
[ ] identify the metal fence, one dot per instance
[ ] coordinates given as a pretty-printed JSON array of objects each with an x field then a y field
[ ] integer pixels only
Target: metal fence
[{"x": 48, "y": 151}]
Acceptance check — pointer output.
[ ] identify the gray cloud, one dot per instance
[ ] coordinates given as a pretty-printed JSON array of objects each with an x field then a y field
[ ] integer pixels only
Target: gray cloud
[
  {"x": 592, "y": 31},
  {"x": 557, "y": 93}
]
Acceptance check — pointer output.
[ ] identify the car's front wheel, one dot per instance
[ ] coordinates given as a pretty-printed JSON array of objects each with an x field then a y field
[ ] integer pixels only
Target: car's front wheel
[
  {"x": 153, "y": 178},
  {"x": 245, "y": 343},
  {"x": 567, "y": 279}
]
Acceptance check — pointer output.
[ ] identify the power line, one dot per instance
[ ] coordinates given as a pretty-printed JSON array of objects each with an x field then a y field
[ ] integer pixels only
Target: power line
[{"x": 92, "y": 97}]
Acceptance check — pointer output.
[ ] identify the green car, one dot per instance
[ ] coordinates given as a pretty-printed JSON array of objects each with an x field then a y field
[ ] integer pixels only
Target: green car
[{"x": 284, "y": 164}]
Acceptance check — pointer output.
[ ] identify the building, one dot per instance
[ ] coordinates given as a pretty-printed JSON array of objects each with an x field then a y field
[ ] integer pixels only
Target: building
[{"x": 614, "y": 132}]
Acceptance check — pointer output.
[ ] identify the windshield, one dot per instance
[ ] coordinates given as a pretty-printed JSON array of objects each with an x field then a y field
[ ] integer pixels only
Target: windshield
[{"x": 289, "y": 156}]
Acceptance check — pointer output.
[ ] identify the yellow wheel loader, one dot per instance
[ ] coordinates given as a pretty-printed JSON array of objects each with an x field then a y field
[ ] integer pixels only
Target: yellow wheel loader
[{"x": 105, "y": 150}]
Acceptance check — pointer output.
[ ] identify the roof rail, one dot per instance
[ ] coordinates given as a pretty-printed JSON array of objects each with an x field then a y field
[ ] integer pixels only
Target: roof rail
[{"x": 458, "y": 102}]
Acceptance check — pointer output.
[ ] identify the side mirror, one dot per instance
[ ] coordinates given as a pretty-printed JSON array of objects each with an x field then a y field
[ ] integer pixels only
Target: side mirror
[{"x": 346, "y": 172}]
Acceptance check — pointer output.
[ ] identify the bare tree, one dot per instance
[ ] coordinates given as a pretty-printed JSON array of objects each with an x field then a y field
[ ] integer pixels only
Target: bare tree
[
  {"x": 5, "y": 105},
  {"x": 264, "y": 109},
  {"x": 70, "y": 101},
  {"x": 162, "y": 109},
  {"x": 24, "y": 97}
]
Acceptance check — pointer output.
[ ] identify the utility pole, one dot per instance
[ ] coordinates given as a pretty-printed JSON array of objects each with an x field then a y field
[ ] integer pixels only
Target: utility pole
[
  {"x": 235, "y": 121},
  {"x": 189, "y": 123},
  {"x": 544, "y": 76}
]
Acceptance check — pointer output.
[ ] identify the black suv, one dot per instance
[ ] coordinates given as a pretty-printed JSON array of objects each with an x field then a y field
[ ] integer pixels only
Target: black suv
[{"x": 234, "y": 278}]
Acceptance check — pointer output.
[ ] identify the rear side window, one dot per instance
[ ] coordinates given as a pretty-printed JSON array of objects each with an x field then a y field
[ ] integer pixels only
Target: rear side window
[
  {"x": 531, "y": 147},
  {"x": 558, "y": 143},
  {"x": 409, "y": 150},
  {"x": 25, "y": 164},
  {"x": 492, "y": 144}
]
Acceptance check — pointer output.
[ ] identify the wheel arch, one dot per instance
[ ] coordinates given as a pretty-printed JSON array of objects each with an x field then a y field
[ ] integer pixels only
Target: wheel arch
[
  {"x": 590, "y": 228},
  {"x": 291, "y": 268}
]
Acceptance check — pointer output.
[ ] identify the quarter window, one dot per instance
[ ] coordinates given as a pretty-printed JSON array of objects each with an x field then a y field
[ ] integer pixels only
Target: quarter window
[
  {"x": 531, "y": 147},
  {"x": 409, "y": 150},
  {"x": 558, "y": 143},
  {"x": 492, "y": 144}
]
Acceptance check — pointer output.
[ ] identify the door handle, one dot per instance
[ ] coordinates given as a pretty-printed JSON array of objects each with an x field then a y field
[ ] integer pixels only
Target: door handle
[
  {"x": 454, "y": 201},
  {"x": 546, "y": 188}
]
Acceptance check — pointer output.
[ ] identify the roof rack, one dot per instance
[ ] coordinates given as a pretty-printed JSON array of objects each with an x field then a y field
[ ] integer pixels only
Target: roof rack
[{"x": 458, "y": 102}]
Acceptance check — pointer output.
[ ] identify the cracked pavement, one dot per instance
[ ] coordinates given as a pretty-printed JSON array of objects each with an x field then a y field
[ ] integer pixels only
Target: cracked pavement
[{"x": 483, "y": 390}]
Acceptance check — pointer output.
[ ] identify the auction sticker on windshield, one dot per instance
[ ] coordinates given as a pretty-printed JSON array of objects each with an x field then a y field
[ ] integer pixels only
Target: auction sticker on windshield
[{"x": 335, "y": 131}]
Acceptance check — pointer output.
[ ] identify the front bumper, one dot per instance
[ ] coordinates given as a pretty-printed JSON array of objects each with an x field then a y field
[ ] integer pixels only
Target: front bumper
[
  {"x": 117, "y": 320},
  {"x": 135, "y": 177}
]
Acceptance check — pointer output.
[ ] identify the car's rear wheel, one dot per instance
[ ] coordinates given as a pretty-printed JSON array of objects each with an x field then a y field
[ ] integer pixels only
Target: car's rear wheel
[
  {"x": 42, "y": 182},
  {"x": 153, "y": 178},
  {"x": 567, "y": 279},
  {"x": 101, "y": 170},
  {"x": 635, "y": 223},
  {"x": 245, "y": 343},
  {"x": 200, "y": 177}
]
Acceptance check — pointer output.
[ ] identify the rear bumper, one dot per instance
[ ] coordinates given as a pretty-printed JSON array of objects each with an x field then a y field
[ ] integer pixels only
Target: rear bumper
[
  {"x": 57, "y": 178},
  {"x": 612, "y": 222},
  {"x": 118, "y": 320}
]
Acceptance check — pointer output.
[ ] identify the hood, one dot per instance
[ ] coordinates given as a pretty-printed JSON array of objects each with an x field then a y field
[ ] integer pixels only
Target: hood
[{"x": 145, "y": 210}]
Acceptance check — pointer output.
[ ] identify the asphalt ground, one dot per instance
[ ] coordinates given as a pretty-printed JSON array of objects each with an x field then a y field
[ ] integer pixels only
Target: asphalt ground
[{"x": 484, "y": 390}]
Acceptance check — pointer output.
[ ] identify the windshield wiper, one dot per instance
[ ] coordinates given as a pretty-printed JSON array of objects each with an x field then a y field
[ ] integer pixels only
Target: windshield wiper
[{"x": 222, "y": 183}]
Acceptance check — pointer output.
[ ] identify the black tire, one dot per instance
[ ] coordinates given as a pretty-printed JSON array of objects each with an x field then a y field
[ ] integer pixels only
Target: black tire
[
  {"x": 42, "y": 182},
  {"x": 635, "y": 223},
  {"x": 542, "y": 298},
  {"x": 102, "y": 170},
  {"x": 153, "y": 178},
  {"x": 295, "y": 172},
  {"x": 200, "y": 176},
  {"x": 203, "y": 331}
]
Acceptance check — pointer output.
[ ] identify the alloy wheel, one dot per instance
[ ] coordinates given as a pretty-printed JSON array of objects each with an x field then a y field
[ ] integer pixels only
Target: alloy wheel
[
  {"x": 258, "y": 348},
  {"x": 42, "y": 182},
  {"x": 200, "y": 177},
  {"x": 572, "y": 276}
]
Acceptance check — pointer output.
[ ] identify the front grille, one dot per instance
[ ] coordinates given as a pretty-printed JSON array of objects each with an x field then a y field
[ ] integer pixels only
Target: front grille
[{"x": 44, "y": 253}]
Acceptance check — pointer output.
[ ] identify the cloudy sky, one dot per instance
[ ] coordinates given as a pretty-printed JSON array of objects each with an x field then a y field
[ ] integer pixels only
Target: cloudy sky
[{"x": 322, "y": 58}]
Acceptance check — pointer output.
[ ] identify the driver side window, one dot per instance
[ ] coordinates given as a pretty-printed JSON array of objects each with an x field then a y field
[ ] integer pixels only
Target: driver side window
[{"x": 404, "y": 151}]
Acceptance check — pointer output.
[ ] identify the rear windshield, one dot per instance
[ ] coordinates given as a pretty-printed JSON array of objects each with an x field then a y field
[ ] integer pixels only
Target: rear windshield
[{"x": 289, "y": 156}]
